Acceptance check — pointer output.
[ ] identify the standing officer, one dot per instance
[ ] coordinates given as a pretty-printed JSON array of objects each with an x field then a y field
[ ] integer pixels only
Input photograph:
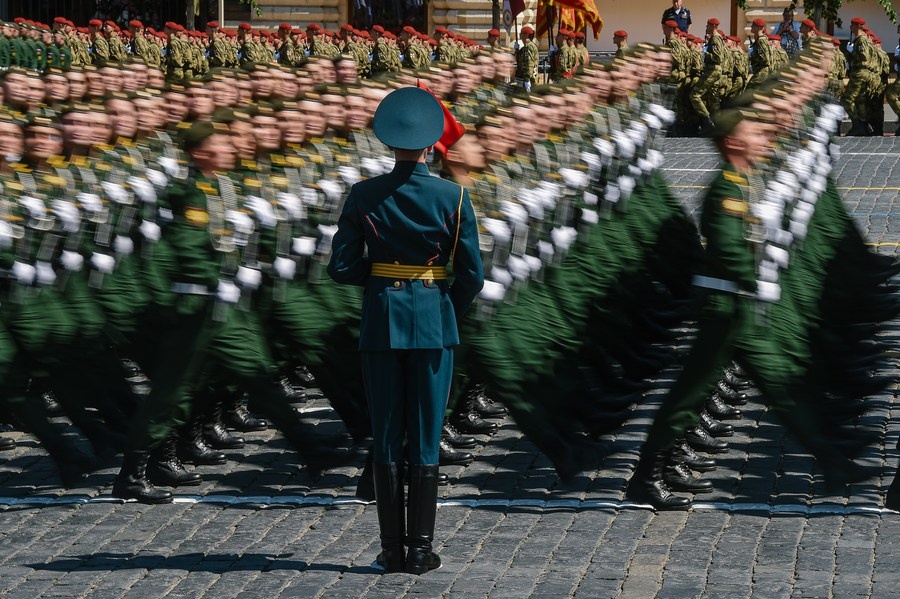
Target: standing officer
[
  {"x": 620, "y": 39},
  {"x": 413, "y": 227},
  {"x": 679, "y": 14}
]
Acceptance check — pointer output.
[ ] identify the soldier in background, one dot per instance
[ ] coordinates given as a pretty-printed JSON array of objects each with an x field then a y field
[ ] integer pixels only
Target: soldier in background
[
  {"x": 620, "y": 39},
  {"x": 526, "y": 58}
]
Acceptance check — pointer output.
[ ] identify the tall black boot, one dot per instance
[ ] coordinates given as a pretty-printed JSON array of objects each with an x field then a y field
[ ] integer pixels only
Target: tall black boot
[
  {"x": 239, "y": 417},
  {"x": 389, "y": 504},
  {"x": 132, "y": 481},
  {"x": 647, "y": 484},
  {"x": 215, "y": 433},
  {"x": 365, "y": 486},
  {"x": 193, "y": 449},
  {"x": 164, "y": 467},
  {"x": 420, "y": 516}
]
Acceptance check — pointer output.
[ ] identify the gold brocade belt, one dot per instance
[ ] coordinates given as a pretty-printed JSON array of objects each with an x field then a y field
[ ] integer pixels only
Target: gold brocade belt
[{"x": 403, "y": 271}]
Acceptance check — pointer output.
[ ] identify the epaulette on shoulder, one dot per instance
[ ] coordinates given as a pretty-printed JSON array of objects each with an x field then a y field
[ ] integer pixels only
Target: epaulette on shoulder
[{"x": 735, "y": 178}]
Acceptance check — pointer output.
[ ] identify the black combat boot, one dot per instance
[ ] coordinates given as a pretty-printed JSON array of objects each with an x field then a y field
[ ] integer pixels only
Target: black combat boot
[
  {"x": 237, "y": 416},
  {"x": 680, "y": 478},
  {"x": 648, "y": 485},
  {"x": 193, "y": 449},
  {"x": 685, "y": 454},
  {"x": 450, "y": 456},
  {"x": 715, "y": 427},
  {"x": 215, "y": 433},
  {"x": 721, "y": 410},
  {"x": 164, "y": 467},
  {"x": 700, "y": 440},
  {"x": 132, "y": 481},
  {"x": 389, "y": 504},
  {"x": 420, "y": 516},
  {"x": 455, "y": 438}
]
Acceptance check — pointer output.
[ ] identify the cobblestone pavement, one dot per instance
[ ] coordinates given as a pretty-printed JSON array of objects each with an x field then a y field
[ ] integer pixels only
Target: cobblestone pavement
[{"x": 506, "y": 528}]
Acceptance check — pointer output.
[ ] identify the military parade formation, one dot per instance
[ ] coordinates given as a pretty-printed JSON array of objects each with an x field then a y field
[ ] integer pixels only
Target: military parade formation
[{"x": 171, "y": 198}]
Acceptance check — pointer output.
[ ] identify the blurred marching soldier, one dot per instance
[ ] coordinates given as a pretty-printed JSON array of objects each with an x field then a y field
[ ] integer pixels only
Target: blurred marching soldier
[
  {"x": 526, "y": 58},
  {"x": 415, "y": 56},
  {"x": 740, "y": 74},
  {"x": 876, "y": 109},
  {"x": 493, "y": 39},
  {"x": 384, "y": 55}
]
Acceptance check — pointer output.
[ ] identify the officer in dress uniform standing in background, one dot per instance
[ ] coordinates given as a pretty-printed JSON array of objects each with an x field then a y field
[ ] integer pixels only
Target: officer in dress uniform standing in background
[
  {"x": 679, "y": 14},
  {"x": 396, "y": 237}
]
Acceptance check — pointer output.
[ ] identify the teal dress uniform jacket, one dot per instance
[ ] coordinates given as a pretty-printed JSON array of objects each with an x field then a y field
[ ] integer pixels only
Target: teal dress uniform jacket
[
  {"x": 408, "y": 217},
  {"x": 409, "y": 325}
]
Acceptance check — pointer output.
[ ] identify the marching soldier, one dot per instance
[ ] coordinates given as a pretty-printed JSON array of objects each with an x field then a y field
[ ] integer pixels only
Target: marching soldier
[
  {"x": 708, "y": 86},
  {"x": 99, "y": 46},
  {"x": 526, "y": 58},
  {"x": 864, "y": 76}
]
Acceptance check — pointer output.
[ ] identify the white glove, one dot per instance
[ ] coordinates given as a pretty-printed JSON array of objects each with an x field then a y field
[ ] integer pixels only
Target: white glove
[
  {"x": 304, "y": 246},
  {"x": 310, "y": 197},
  {"x": 240, "y": 221},
  {"x": 574, "y": 178},
  {"x": 115, "y": 192},
  {"x": 103, "y": 263},
  {"x": 157, "y": 178},
  {"x": 768, "y": 291},
  {"x": 328, "y": 232},
  {"x": 169, "y": 166},
  {"x": 285, "y": 267},
  {"x": 67, "y": 214},
  {"x": 36, "y": 208},
  {"x": 349, "y": 174},
  {"x": 6, "y": 235},
  {"x": 290, "y": 203},
  {"x": 46, "y": 276},
  {"x": 228, "y": 292},
  {"x": 371, "y": 166},
  {"x": 492, "y": 291},
  {"x": 150, "y": 230},
  {"x": 332, "y": 189},
  {"x": 263, "y": 210},
  {"x": 249, "y": 278},
  {"x": 24, "y": 273},
  {"x": 142, "y": 189},
  {"x": 71, "y": 261},
  {"x": 123, "y": 245},
  {"x": 91, "y": 202}
]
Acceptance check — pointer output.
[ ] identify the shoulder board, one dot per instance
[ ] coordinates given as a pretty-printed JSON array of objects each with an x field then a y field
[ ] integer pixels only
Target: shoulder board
[
  {"x": 735, "y": 207},
  {"x": 14, "y": 218},
  {"x": 248, "y": 163},
  {"x": 102, "y": 166},
  {"x": 279, "y": 180},
  {"x": 206, "y": 187},
  {"x": 316, "y": 159},
  {"x": 13, "y": 185},
  {"x": 278, "y": 159},
  {"x": 735, "y": 178},
  {"x": 295, "y": 161},
  {"x": 197, "y": 217}
]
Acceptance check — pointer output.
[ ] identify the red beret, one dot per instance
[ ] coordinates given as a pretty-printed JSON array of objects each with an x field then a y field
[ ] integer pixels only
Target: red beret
[
  {"x": 212, "y": 25},
  {"x": 876, "y": 39},
  {"x": 180, "y": 27},
  {"x": 620, "y": 33},
  {"x": 136, "y": 24},
  {"x": 19, "y": 20},
  {"x": 112, "y": 24},
  {"x": 579, "y": 35},
  {"x": 95, "y": 23},
  {"x": 171, "y": 25},
  {"x": 365, "y": 34},
  {"x": 346, "y": 27},
  {"x": 494, "y": 32},
  {"x": 759, "y": 22},
  {"x": 858, "y": 21},
  {"x": 390, "y": 35},
  {"x": 285, "y": 27},
  {"x": 313, "y": 27},
  {"x": 378, "y": 28},
  {"x": 773, "y": 37},
  {"x": 527, "y": 30},
  {"x": 671, "y": 23},
  {"x": 836, "y": 42},
  {"x": 297, "y": 32},
  {"x": 570, "y": 34},
  {"x": 410, "y": 30},
  {"x": 809, "y": 23},
  {"x": 60, "y": 20},
  {"x": 245, "y": 26},
  {"x": 562, "y": 31},
  {"x": 713, "y": 21}
]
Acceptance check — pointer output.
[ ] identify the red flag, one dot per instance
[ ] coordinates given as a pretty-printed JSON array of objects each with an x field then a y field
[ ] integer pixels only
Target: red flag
[
  {"x": 516, "y": 7},
  {"x": 452, "y": 129}
]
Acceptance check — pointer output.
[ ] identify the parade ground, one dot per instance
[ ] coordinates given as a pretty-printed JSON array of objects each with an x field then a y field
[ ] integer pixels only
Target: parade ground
[{"x": 506, "y": 528}]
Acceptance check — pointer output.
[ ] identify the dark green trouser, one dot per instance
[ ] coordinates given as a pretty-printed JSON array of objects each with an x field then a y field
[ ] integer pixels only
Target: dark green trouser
[{"x": 721, "y": 320}]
